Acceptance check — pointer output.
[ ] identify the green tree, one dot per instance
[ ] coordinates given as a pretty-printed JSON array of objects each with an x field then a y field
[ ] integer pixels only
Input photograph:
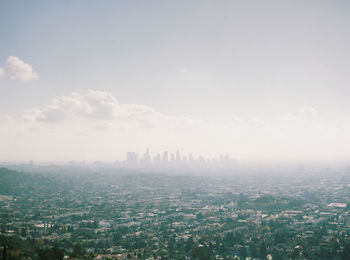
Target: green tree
[
  {"x": 4, "y": 253},
  {"x": 77, "y": 251},
  {"x": 243, "y": 252},
  {"x": 263, "y": 251}
]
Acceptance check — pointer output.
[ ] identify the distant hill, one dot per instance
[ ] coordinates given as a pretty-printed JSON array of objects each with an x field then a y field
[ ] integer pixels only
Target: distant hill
[
  {"x": 16, "y": 183},
  {"x": 11, "y": 182},
  {"x": 5, "y": 172}
]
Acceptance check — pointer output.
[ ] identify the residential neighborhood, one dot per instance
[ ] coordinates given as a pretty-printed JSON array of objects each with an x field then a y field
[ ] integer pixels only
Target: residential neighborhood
[{"x": 127, "y": 213}]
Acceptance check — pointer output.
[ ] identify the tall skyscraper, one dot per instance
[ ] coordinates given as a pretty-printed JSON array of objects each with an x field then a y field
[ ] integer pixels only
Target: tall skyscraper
[
  {"x": 132, "y": 158},
  {"x": 165, "y": 158},
  {"x": 146, "y": 157},
  {"x": 178, "y": 157}
]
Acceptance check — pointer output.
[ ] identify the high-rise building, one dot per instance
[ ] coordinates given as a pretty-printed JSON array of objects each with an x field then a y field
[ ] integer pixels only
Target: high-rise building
[
  {"x": 165, "y": 158},
  {"x": 178, "y": 157},
  {"x": 146, "y": 157},
  {"x": 156, "y": 159},
  {"x": 201, "y": 160},
  {"x": 132, "y": 158}
]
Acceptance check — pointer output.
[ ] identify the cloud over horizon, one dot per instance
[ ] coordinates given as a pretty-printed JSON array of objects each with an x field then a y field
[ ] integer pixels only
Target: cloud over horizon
[
  {"x": 102, "y": 107},
  {"x": 96, "y": 126},
  {"x": 16, "y": 69}
]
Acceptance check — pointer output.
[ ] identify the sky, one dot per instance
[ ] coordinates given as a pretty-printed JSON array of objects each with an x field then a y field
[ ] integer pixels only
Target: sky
[{"x": 257, "y": 80}]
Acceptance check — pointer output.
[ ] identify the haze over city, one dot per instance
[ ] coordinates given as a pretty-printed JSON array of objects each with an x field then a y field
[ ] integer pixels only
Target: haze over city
[{"x": 174, "y": 130}]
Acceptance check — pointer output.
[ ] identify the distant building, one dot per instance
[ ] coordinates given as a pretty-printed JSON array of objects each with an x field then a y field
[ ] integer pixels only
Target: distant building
[
  {"x": 190, "y": 158},
  {"x": 146, "y": 157},
  {"x": 165, "y": 158},
  {"x": 178, "y": 157},
  {"x": 156, "y": 159},
  {"x": 132, "y": 158}
]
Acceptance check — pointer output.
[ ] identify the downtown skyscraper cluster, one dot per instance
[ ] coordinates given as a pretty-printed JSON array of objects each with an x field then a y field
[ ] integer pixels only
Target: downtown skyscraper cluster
[{"x": 175, "y": 159}]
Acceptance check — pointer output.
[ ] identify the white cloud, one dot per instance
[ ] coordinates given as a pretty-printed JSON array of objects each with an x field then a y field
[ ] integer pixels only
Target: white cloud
[
  {"x": 16, "y": 69},
  {"x": 103, "y": 106}
]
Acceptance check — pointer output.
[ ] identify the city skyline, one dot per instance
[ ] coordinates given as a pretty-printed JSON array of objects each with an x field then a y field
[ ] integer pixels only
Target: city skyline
[{"x": 176, "y": 158}]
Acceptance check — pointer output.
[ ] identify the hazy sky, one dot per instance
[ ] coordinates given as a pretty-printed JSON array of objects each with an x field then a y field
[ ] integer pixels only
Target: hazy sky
[{"x": 254, "y": 79}]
